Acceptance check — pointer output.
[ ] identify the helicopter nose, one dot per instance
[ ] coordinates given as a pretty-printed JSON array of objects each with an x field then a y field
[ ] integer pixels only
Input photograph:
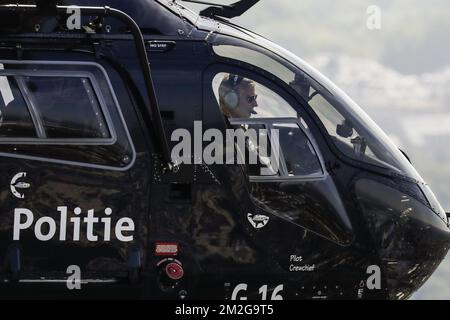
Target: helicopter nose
[{"x": 411, "y": 239}]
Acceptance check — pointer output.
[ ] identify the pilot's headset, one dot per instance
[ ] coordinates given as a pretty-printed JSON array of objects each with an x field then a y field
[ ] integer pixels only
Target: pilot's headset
[{"x": 232, "y": 98}]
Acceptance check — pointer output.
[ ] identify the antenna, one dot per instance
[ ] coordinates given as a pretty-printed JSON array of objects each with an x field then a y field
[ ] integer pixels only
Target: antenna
[{"x": 225, "y": 11}]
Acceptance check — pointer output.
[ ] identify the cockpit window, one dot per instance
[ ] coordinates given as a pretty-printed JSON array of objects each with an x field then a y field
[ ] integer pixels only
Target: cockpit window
[
  {"x": 257, "y": 59},
  {"x": 256, "y": 152},
  {"x": 349, "y": 127},
  {"x": 299, "y": 154},
  {"x": 239, "y": 97},
  {"x": 349, "y": 139},
  {"x": 277, "y": 139}
]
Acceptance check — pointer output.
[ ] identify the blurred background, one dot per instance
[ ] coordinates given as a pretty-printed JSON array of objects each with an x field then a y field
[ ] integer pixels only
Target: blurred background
[{"x": 399, "y": 74}]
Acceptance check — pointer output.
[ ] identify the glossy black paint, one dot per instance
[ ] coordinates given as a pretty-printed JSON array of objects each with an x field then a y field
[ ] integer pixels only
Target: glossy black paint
[{"x": 339, "y": 225}]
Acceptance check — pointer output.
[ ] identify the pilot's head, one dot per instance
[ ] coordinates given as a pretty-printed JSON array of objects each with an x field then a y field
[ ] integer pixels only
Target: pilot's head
[{"x": 237, "y": 96}]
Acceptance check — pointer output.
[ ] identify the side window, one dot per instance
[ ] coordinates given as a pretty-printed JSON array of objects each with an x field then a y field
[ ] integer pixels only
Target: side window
[
  {"x": 50, "y": 107},
  {"x": 256, "y": 151},
  {"x": 15, "y": 118},
  {"x": 63, "y": 112},
  {"x": 280, "y": 138},
  {"x": 300, "y": 156},
  {"x": 67, "y": 106}
]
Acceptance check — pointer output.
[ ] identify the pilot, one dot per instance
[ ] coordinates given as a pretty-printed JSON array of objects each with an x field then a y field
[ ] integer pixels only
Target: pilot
[{"x": 237, "y": 97}]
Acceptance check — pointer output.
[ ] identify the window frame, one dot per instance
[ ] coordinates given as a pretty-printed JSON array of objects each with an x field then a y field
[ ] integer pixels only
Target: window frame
[
  {"x": 114, "y": 108},
  {"x": 272, "y": 83},
  {"x": 37, "y": 119},
  {"x": 283, "y": 171}
]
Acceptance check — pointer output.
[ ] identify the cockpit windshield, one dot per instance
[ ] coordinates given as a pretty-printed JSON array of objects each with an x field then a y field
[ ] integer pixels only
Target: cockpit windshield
[{"x": 351, "y": 130}]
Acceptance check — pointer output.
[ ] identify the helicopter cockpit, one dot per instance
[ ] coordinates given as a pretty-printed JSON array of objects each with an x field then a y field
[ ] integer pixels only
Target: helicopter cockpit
[{"x": 353, "y": 133}]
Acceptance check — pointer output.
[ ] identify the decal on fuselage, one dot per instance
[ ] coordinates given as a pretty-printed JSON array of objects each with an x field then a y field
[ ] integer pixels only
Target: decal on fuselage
[
  {"x": 297, "y": 265},
  {"x": 17, "y": 185},
  {"x": 166, "y": 249},
  {"x": 240, "y": 290},
  {"x": 258, "y": 221},
  {"x": 45, "y": 228}
]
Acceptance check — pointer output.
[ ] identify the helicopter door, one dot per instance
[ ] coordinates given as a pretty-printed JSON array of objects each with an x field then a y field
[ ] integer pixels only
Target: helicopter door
[
  {"x": 69, "y": 171},
  {"x": 290, "y": 182},
  {"x": 293, "y": 199}
]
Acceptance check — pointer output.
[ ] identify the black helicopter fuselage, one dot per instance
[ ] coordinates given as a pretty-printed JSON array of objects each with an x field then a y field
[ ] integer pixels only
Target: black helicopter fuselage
[{"x": 100, "y": 194}]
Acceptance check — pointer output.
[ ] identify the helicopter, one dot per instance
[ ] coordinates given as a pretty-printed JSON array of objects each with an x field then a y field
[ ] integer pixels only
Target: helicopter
[{"x": 108, "y": 108}]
